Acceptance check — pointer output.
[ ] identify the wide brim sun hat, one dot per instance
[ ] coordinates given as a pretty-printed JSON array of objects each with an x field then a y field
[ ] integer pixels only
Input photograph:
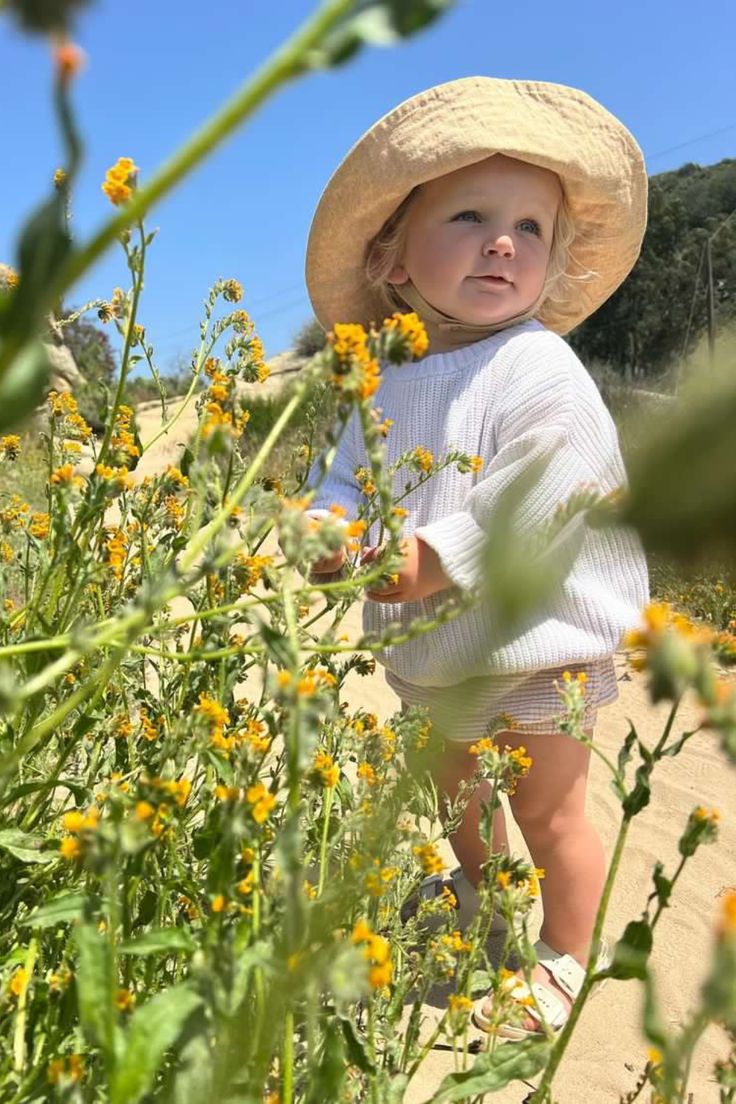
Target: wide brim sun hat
[{"x": 450, "y": 126}]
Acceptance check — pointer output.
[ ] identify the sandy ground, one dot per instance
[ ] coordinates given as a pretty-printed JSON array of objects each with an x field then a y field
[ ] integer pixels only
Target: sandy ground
[{"x": 608, "y": 1050}]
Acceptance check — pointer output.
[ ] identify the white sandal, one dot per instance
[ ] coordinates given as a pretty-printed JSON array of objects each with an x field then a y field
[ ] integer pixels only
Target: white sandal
[
  {"x": 549, "y": 1009},
  {"x": 465, "y": 893}
]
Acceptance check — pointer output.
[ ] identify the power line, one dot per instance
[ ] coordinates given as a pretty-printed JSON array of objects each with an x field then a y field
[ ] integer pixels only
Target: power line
[
  {"x": 252, "y": 305},
  {"x": 692, "y": 141}
]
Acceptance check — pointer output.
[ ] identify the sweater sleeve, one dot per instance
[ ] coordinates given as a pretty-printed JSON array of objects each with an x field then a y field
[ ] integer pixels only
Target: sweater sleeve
[
  {"x": 339, "y": 485},
  {"x": 544, "y": 402}
]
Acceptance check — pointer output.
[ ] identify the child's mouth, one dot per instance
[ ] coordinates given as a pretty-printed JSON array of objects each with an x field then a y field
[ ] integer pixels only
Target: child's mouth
[{"x": 494, "y": 281}]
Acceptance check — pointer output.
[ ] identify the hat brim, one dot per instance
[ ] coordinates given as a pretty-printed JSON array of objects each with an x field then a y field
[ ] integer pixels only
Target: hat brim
[{"x": 452, "y": 125}]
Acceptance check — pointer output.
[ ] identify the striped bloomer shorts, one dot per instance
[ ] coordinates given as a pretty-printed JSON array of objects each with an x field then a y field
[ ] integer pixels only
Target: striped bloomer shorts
[{"x": 527, "y": 704}]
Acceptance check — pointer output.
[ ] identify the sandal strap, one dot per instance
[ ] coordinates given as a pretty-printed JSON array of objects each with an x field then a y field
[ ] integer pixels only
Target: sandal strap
[
  {"x": 566, "y": 970},
  {"x": 548, "y": 1008}
]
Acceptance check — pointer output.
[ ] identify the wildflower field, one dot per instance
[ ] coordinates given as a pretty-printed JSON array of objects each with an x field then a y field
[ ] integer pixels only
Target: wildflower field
[{"x": 204, "y": 851}]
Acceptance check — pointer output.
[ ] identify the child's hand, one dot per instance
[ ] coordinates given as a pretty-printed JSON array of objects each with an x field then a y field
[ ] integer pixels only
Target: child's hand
[
  {"x": 420, "y": 575},
  {"x": 330, "y": 563}
]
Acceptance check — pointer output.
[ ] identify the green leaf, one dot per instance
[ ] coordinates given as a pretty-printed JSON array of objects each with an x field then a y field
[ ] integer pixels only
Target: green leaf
[
  {"x": 327, "y": 1077},
  {"x": 480, "y": 982},
  {"x": 277, "y": 645},
  {"x": 374, "y": 22},
  {"x": 95, "y": 978},
  {"x": 357, "y": 1054},
  {"x": 160, "y": 941},
  {"x": 192, "y": 1077},
  {"x": 63, "y": 909},
  {"x": 652, "y": 1023},
  {"x": 22, "y": 384},
  {"x": 631, "y": 953},
  {"x": 154, "y": 1027},
  {"x": 639, "y": 796},
  {"x": 44, "y": 16},
  {"x": 26, "y": 847},
  {"x": 75, "y": 786},
  {"x": 524, "y": 569},
  {"x": 662, "y": 885},
  {"x": 694, "y": 446},
  {"x": 491, "y": 1072}
]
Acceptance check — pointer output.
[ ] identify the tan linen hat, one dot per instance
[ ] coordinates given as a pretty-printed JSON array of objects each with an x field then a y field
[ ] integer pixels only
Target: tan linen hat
[{"x": 456, "y": 124}]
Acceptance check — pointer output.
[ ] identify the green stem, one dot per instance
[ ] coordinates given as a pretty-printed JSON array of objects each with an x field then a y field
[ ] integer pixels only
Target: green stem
[
  {"x": 129, "y": 336},
  {"x": 286, "y": 64},
  {"x": 542, "y": 1092},
  {"x": 287, "y": 1059},
  {"x": 46, "y": 727},
  {"x": 198, "y": 543},
  {"x": 323, "y": 847},
  {"x": 19, "y": 1035}
]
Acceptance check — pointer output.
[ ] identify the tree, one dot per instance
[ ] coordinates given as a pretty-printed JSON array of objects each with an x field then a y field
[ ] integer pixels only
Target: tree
[{"x": 660, "y": 312}]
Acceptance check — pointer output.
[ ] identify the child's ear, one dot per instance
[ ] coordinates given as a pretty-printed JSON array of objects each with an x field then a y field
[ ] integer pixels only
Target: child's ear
[{"x": 397, "y": 275}]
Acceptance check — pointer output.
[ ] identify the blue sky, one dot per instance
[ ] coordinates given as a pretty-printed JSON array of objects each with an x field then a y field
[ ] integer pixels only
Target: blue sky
[{"x": 157, "y": 68}]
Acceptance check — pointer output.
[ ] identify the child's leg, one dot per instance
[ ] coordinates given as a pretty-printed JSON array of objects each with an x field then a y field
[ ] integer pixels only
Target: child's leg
[
  {"x": 451, "y": 767},
  {"x": 549, "y": 807}
]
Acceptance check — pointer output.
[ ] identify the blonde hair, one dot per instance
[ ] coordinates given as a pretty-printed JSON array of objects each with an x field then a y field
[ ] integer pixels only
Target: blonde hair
[{"x": 384, "y": 252}]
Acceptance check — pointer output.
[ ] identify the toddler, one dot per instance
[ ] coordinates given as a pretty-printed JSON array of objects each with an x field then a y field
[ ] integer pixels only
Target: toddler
[{"x": 503, "y": 213}]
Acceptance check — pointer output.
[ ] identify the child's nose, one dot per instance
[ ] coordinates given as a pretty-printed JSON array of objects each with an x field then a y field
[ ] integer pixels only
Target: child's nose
[{"x": 500, "y": 243}]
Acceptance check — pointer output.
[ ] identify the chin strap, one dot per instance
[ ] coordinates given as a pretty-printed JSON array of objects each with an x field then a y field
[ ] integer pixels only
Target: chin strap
[{"x": 444, "y": 331}]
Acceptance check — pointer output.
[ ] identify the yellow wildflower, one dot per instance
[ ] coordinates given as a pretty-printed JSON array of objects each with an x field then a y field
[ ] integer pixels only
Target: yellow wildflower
[
  {"x": 11, "y": 517},
  {"x": 173, "y": 475},
  {"x": 232, "y": 290},
  {"x": 411, "y": 329},
  {"x": 18, "y": 982},
  {"x": 40, "y": 526},
  {"x": 249, "y": 569},
  {"x": 77, "y": 821},
  {"x": 423, "y": 458},
  {"x": 10, "y": 446},
  {"x": 227, "y": 793},
  {"x": 363, "y": 476},
  {"x": 429, "y": 858},
  {"x": 261, "y": 800},
  {"x": 124, "y": 1000},
  {"x": 120, "y": 181},
  {"x": 149, "y": 727},
  {"x": 70, "y": 848},
  {"x": 727, "y": 924},
  {"x": 324, "y": 765},
  {"x": 64, "y": 477},
  {"x": 366, "y": 773},
  {"x": 711, "y": 815},
  {"x": 66, "y": 1071}
]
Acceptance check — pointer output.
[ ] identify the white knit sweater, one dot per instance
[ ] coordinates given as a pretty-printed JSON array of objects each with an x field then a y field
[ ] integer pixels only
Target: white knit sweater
[{"x": 519, "y": 395}]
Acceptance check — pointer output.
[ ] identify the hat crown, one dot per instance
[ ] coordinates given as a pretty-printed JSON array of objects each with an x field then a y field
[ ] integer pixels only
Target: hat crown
[{"x": 456, "y": 124}]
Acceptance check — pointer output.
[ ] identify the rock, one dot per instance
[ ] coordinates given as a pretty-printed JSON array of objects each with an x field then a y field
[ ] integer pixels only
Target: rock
[{"x": 64, "y": 375}]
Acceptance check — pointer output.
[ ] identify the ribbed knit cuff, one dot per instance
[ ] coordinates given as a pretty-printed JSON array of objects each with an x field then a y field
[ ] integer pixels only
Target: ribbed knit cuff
[{"x": 459, "y": 542}]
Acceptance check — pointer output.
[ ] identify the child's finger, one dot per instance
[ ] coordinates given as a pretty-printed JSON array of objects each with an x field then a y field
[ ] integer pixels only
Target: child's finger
[{"x": 368, "y": 555}]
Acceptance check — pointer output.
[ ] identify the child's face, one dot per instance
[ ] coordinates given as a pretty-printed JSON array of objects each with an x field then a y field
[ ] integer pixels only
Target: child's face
[{"x": 478, "y": 239}]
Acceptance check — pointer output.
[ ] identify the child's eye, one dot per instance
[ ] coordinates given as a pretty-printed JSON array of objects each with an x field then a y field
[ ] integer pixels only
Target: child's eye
[
  {"x": 532, "y": 226},
  {"x": 463, "y": 216}
]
